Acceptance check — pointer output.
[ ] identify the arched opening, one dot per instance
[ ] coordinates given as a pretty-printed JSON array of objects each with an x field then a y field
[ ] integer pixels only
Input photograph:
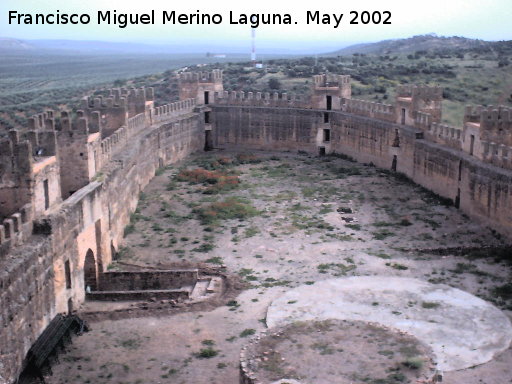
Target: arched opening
[
  {"x": 394, "y": 163},
  {"x": 90, "y": 271}
]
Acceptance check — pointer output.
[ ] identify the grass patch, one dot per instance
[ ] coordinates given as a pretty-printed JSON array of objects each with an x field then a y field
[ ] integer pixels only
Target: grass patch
[
  {"x": 430, "y": 305},
  {"x": 214, "y": 181},
  {"x": 397, "y": 266},
  {"x": 215, "y": 260},
  {"x": 247, "y": 332},
  {"x": 382, "y": 234},
  {"x": 206, "y": 353},
  {"x": 230, "y": 208}
]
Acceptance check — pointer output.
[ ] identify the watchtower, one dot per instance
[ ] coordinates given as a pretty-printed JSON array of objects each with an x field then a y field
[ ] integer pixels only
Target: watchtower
[
  {"x": 411, "y": 99},
  {"x": 328, "y": 91},
  {"x": 200, "y": 85}
]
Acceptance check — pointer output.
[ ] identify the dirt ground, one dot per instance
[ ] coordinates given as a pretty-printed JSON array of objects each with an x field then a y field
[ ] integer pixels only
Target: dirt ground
[
  {"x": 368, "y": 354},
  {"x": 296, "y": 220}
]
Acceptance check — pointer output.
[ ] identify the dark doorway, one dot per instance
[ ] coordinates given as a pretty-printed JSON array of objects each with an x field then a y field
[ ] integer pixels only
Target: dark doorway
[
  {"x": 394, "y": 163},
  {"x": 208, "y": 146},
  {"x": 403, "y": 116},
  {"x": 472, "y": 145},
  {"x": 329, "y": 102},
  {"x": 206, "y": 97},
  {"x": 326, "y": 117},
  {"x": 90, "y": 271},
  {"x": 321, "y": 151},
  {"x": 46, "y": 194},
  {"x": 207, "y": 117},
  {"x": 67, "y": 272},
  {"x": 460, "y": 170},
  {"x": 113, "y": 253},
  {"x": 327, "y": 135},
  {"x": 70, "y": 306},
  {"x": 396, "y": 140},
  {"x": 457, "y": 199}
]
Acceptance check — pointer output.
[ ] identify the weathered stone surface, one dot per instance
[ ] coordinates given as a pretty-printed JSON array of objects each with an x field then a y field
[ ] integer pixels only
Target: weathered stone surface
[{"x": 462, "y": 329}]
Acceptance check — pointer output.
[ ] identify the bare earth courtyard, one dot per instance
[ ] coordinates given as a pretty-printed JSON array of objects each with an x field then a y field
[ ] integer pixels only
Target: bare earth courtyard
[{"x": 279, "y": 221}]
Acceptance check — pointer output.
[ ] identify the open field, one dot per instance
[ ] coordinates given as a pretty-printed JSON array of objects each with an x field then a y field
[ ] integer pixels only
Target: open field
[
  {"x": 279, "y": 221},
  {"x": 32, "y": 82}
]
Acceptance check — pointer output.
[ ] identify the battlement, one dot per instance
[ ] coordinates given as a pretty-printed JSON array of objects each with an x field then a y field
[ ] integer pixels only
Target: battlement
[
  {"x": 261, "y": 99},
  {"x": 42, "y": 121},
  {"x": 490, "y": 124},
  {"x": 420, "y": 91},
  {"x": 496, "y": 118},
  {"x": 369, "y": 109},
  {"x": 214, "y": 76},
  {"x": 78, "y": 124},
  {"x": 170, "y": 111},
  {"x": 472, "y": 114},
  {"x": 423, "y": 121},
  {"x": 15, "y": 228},
  {"x": 16, "y": 155},
  {"x": 115, "y": 100},
  {"x": 497, "y": 154},
  {"x": 446, "y": 135},
  {"x": 330, "y": 80}
]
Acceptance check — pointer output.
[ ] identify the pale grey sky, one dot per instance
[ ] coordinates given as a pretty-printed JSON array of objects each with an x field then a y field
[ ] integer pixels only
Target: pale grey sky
[{"x": 488, "y": 20}]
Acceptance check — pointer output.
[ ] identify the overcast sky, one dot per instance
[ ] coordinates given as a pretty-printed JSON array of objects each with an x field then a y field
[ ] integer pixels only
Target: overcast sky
[{"x": 488, "y": 20}]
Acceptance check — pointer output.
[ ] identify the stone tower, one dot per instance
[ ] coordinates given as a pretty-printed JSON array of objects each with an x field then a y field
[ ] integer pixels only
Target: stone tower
[
  {"x": 413, "y": 99},
  {"x": 328, "y": 91},
  {"x": 200, "y": 85}
]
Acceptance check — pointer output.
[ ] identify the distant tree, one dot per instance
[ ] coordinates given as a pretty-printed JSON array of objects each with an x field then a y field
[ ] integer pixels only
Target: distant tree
[
  {"x": 274, "y": 83},
  {"x": 503, "y": 62}
]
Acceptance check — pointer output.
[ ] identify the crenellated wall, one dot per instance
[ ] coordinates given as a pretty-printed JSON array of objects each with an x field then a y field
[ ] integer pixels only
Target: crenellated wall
[
  {"x": 429, "y": 153},
  {"x": 80, "y": 234}
]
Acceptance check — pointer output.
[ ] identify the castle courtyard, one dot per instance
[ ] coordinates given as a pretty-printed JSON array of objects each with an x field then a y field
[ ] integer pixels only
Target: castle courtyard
[{"x": 281, "y": 227}]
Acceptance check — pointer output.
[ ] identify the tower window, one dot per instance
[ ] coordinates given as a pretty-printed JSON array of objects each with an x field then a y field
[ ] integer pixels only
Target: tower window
[
  {"x": 46, "y": 194},
  {"x": 67, "y": 272}
]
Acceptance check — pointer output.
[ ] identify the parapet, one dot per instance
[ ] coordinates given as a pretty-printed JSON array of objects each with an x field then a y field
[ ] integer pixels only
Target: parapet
[
  {"x": 172, "y": 110},
  {"x": 16, "y": 228},
  {"x": 77, "y": 124},
  {"x": 260, "y": 99},
  {"x": 214, "y": 76},
  {"x": 445, "y": 134},
  {"x": 330, "y": 80},
  {"x": 423, "y": 121},
  {"x": 369, "y": 109},
  {"x": 472, "y": 114},
  {"x": 16, "y": 156},
  {"x": 494, "y": 124},
  {"x": 42, "y": 121},
  {"x": 496, "y": 119},
  {"x": 425, "y": 92}
]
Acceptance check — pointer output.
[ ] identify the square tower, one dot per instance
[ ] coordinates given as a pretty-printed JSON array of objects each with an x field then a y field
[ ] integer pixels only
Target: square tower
[{"x": 328, "y": 91}]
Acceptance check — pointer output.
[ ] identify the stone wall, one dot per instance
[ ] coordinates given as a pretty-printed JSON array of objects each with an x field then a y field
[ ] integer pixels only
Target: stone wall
[
  {"x": 481, "y": 190},
  {"x": 144, "y": 280},
  {"x": 85, "y": 227},
  {"x": 168, "y": 294}
]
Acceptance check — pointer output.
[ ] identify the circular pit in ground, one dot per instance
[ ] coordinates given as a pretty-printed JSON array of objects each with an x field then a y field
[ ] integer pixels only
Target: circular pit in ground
[
  {"x": 336, "y": 351},
  {"x": 462, "y": 329}
]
